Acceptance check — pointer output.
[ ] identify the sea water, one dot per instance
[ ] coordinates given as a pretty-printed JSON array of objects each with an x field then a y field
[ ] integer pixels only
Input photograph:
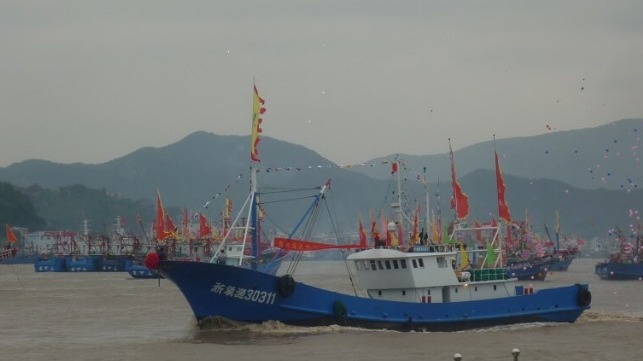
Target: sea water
[{"x": 111, "y": 316}]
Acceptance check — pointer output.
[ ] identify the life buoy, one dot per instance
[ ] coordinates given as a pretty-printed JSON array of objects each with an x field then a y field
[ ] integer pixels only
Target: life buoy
[
  {"x": 584, "y": 297},
  {"x": 286, "y": 286}
]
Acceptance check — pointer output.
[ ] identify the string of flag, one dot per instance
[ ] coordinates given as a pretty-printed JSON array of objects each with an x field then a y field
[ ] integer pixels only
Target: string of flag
[{"x": 392, "y": 163}]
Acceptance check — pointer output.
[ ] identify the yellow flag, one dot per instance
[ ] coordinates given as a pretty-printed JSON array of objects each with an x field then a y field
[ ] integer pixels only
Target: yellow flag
[
  {"x": 464, "y": 257},
  {"x": 257, "y": 111}
]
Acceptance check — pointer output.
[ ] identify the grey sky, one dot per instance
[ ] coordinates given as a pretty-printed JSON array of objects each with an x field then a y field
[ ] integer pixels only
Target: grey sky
[{"x": 90, "y": 81}]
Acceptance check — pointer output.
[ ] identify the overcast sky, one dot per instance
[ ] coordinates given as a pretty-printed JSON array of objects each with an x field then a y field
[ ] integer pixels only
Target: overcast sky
[{"x": 90, "y": 81}]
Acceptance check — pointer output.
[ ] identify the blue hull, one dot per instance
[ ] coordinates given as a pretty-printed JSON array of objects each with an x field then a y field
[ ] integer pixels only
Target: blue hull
[
  {"x": 114, "y": 263},
  {"x": 531, "y": 272},
  {"x": 19, "y": 259},
  {"x": 561, "y": 265},
  {"x": 81, "y": 264},
  {"x": 54, "y": 264},
  {"x": 139, "y": 271},
  {"x": 619, "y": 271},
  {"x": 245, "y": 295}
]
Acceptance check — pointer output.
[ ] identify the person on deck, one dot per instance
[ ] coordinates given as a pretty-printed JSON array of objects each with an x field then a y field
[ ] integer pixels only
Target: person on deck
[{"x": 221, "y": 258}]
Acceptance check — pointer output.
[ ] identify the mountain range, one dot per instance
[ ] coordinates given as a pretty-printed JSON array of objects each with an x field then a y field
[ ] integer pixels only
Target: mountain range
[{"x": 590, "y": 176}]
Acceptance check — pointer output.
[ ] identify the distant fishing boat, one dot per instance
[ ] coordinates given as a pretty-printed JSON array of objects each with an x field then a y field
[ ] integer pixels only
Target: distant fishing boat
[
  {"x": 626, "y": 264},
  {"x": 71, "y": 251}
]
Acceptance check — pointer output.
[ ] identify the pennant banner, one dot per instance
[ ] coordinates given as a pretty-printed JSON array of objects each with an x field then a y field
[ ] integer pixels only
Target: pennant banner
[{"x": 299, "y": 245}]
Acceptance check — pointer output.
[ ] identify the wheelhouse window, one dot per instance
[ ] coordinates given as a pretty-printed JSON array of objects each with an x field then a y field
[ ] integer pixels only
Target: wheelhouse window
[
  {"x": 421, "y": 262},
  {"x": 395, "y": 264},
  {"x": 388, "y": 264},
  {"x": 442, "y": 262},
  {"x": 415, "y": 264},
  {"x": 403, "y": 263},
  {"x": 373, "y": 265}
]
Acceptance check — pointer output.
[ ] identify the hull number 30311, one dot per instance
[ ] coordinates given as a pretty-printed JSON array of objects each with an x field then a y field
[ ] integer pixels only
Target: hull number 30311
[{"x": 251, "y": 295}]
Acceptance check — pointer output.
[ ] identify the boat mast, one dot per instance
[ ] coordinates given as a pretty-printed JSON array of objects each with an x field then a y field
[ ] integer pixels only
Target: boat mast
[
  {"x": 428, "y": 206},
  {"x": 397, "y": 206}
]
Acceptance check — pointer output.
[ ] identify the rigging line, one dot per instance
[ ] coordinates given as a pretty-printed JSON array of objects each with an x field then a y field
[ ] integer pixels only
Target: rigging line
[
  {"x": 280, "y": 228},
  {"x": 344, "y": 254},
  {"x": 287, "y": 200},
  {"x": 306, "y": 233},
  {"x": 285, "y": 190}
]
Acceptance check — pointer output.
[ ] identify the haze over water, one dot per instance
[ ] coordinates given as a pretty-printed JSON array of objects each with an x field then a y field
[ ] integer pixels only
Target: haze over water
[{"x": 110, "y": 316}]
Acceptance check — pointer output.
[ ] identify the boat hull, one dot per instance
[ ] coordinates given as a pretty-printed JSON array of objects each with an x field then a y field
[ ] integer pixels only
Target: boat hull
[
  {"x": 561, "y": 264},
  {"x": 619, "y": 271},
  {"x": 140, "y": 271},
  {"x": 53, "y": 264},
  {"x": 246, "y": 295}
]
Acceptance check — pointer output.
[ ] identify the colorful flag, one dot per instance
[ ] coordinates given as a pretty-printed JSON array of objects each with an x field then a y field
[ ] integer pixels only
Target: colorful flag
[
  {"x": 257, "y": 112},
  {"x": 11, "y": 237},
  {"x": 503, "y": 208},
  {"x": 362, "y": 235},
  {"x": 185, "y": 225},
  {"x": 300, "y": 245},
  {"x": 170, "y": 228},
  {"x": 464, "y": 257},
  {"x": 459, "y": 201},
  {"x": 161, "y": 232},
  {"x": 204, "y": 227},
  {"x": 228, "y": 208},
  {"x": 435, "y": 234},
  {"x": 394, "y": 168},
  {"x": 392, "y": 238},
  {"x": 491, "y": 256},
  {"x": 415, "y": 238}
]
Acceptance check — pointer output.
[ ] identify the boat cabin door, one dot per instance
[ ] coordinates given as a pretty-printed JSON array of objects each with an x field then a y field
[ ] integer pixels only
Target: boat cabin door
[{"x": 446, "y": 294}]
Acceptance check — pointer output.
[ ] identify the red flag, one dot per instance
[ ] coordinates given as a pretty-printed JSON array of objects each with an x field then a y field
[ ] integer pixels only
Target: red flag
[
  {"x": 11, "y": 237},
  {"x": 162, "y": 231},
  {"x": 299, "y": 245},
  {"x": 185, "y": 224},
  {"x": 362, "y": 235},
  {"x": 460, "y": 201},
  {"x": 257, "y": 111},
  {"x": 394, "y": 168},
  {"x": 204, "y": 228},
  {"x": 503, "y": 208},
  {"x": 169, "y": 225}
]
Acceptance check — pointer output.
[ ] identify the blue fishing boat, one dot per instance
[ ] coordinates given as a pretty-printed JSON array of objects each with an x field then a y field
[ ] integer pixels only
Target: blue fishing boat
[
  {"x": 421, "y": 288},
  {"x": 626, "y": 264},
  {"x": 403, "y": 291}
]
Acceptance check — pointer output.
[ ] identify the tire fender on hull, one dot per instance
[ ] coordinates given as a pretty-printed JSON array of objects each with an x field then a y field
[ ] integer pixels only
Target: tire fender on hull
[
  {"x": 584, "y": 297},
  {"x": 286, "y": 286}
]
